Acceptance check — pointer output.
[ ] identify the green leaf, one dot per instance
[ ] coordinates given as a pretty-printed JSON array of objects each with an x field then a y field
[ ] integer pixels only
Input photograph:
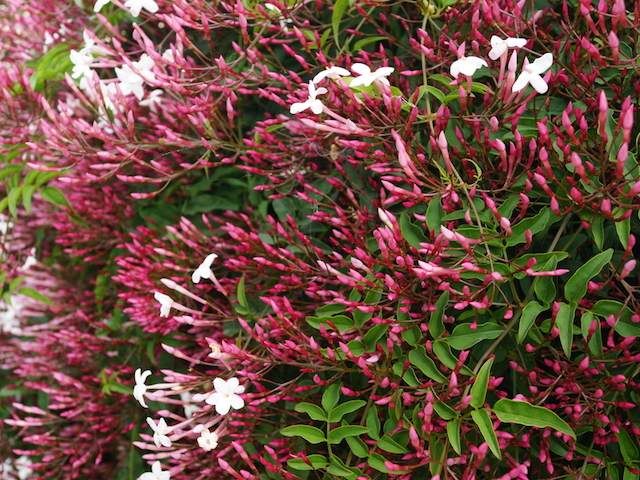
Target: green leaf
[
  {"x": 623, "y": 228},
  {"x": 314, "y": 411},
  {"x": 529, "y": 314},
  {"x": 331, "y": 396},
  {"x": 341, "y": 410},
  {"x": 418, "y": 357},
  {"x": 12, "y": 200},
  {"x": 339, "y": 9},
  {"x": 444, "y": 411},
  {"x": 434, "y": 214},
  {"x": 595, "y": 342},
  {"x": 479, "y": 388},
  {"x": 536, "y": 224},
  {"x": 373, "y": 423},
  {"x": 411, "y": 233},
  {"x": 576, "y": 286},
  {"x": 338, "y": 434},
  {"x": 358, "y": 447},
  {"x": 376, "y": 461},
  {"x": 54, "y": 195},
  {"x": 597, "y": 231},
  {"x": 310, "y": 434},
  {"x": 363, "y": 42},
  {"x": 388, "y": 444},
  {"x": 375, "y": 333},
  {"x": 624, "y": 325},
  {"x": 523, "y": 413},
  {"x": 564, "y": 322},
  {"x": 341, "y": 323},
  {"x": 436, "y": 326},
  {"x": 453, "y": 434},
  {"x": 339, "y": 469},
  {"x": 628, "y": 449},
  {"x": 483, "y": 421},
  {"x": 464, "y": 337},
  {"x": 315, "y": 462}
]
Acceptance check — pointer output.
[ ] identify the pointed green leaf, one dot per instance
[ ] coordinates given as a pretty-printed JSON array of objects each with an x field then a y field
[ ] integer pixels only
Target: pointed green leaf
[
  {"x": 315, "y": 462},
  {"x": 331, "y": 396},
  {"x": 314, "y": 411},
  {"x": 310, "y": 434},
  {"x": 388, "y": 444},
  {"x": 418, "y": 357},
  {"x": 453, "y": 433},
  {"x": 434, "y": 214},
  {"x": 436, "y": 326},
  {"x": 523, "y": 413},
  {"x": 344, "y": 408},
  {"x": 483, "y": 421},
  {"x": 444, "y": 411},
  {"x": 564, "y": 322},
  {"x": 479, "y": 388},
  {"x": 358, "y": 447},
  {"x": 339, "y": 9},
  {"x": 595, "y": 342},
  {"x": 464, "y": 337},
  {"x": 576, "y": 286},
  {"x": 529, "y": 314},
  {"x": 373, "y": 423},
  {"x": 338, "y": 434}
]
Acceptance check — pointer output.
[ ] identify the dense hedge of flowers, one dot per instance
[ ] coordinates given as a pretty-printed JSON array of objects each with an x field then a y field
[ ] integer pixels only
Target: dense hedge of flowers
[{"x": 312, "y": 239}]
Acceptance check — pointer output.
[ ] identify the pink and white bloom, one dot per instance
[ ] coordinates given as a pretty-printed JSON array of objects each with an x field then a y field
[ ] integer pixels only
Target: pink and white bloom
[
  {"x": 226, "y": 395},
  {"x": 208, "y": 440},
  {"x": 160, "y": 431},
  {"x": 366, "y": 77},
  {"x": 204, "y": 269},
  {"x": 532, "y": 74},
  {"x": 312, "y": 102},
  {"x": 333, "y": 73},
  {"x": 136, "y": 6},
  {"x": 166, "y": 302},
  {"x": 467, "y": 66},
  {"x": 499, "y": 46},
  {"x": 156, "y": 473},
  {"x": 132, "y": 79},
  {"x": 140, "y": 389}
]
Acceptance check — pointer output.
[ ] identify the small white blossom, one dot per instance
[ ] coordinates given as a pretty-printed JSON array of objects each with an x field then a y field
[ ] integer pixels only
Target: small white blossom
[
  {"x": 140, "y": 388},
  {"x": 226, "y": 395},
  {"x": 100, "y": 4},
  {"x": 132, "y": 79},
  {"x": 82, "y": 62},
  {"x": 312, "y": 102},
  {"x": 166, "y": 302},
  {"x": 532, "y": 74},
  {"x": 331, "y": 72},
  {"x": 208, "y": 440},
  {"x": 467, "y": 66},
  {"x": 154, "y": 98},
  {"x": 366, "y": 77},
  {"x": 156, "y": 473},
  {"x": 204, "y": 270},
  {"x": 499, "y": 46},
  {"x": 160, "y": 431},
  {"x": 136, "y": 6}
]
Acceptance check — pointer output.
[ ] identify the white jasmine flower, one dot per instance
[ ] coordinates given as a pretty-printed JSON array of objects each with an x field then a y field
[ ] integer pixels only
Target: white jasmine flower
[
  {"x": 499, "y": 46},
  {"x": 160, "y": 431},
  {"x": 467, "y": 66},
  {"x": 136, "y": 6},
  {"x": 166, "y": 302},
  {"x": 531, "y": 74},
  {"x": 130, "y": 82},
  {"x": 168, "y": 55},
  {"x": 156, "y": 473},
  {"x": 99, "y": 4},
  {"x": 140, "y": 388},
  {"x": 82, "y": 62},
  {"x": 189, "y": 408},
  {"x": 312, "y": 102},
  {"x": 226, "y": 395},
  {"x": 144, "y": 67},
  {"x": 204, "y": 270},
  {"x": 208, "y": 440},
  {"x": 367, "y": 77},
  {"x": 331, "y": 72},
  {"x": 154, "y": 98}
]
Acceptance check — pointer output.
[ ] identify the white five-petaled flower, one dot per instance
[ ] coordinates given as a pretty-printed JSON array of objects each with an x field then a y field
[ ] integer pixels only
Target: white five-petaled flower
[
  {"x": 226, "y": 395},
  {"x": 466, "y": 66},
  {"x": 140, "y": 388},
  {"x": 160, "y": 431},
  {"x": 204, "y": 269},
  {"x": 81, "y": 61},
  {"x": 208, "y": 440},
  {"x": 136, "y": 6},
  {"x": 499, "y": 46},
  {"x": 156, "y": 473},
  {"x": 166, "y": 302},
  {"x": 532, "y": 74},
  {"x": 99, "y": 4},
  {"x": 331, "y": 72},
  {"x": 366, "y": 77},
  {"x": 312, "y": 102},
  {"x": 132, "y": 80}
]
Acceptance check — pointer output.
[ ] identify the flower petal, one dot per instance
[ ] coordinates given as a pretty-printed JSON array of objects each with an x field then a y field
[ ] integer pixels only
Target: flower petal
[
  {"x": 237, "y": 402},
  {"x": 538, "y": 83},
  {"x": 542, "y": 64},
  {"x": 360, "y": 69},
  {"x": 521, "y": 82},
  {"x": 223, "y": 406}
]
